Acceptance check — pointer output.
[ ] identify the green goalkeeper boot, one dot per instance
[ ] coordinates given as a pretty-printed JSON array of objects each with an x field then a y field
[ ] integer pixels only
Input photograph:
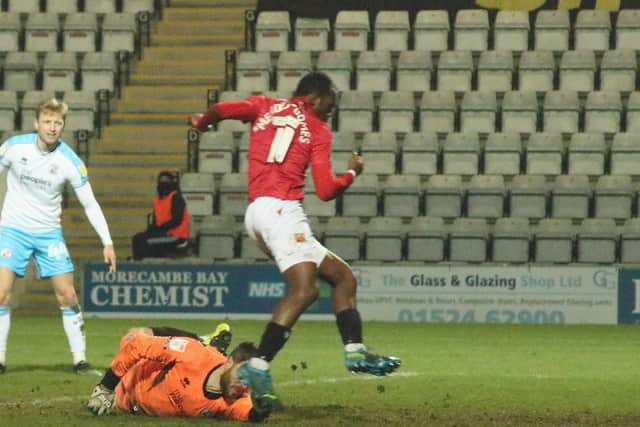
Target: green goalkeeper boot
[
  {"x": 220, "y": 338},
  {"x": 361, "y": 361}
]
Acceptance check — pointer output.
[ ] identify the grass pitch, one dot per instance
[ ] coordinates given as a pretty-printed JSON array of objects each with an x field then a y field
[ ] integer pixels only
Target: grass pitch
[{"x": 453, "y": 375}]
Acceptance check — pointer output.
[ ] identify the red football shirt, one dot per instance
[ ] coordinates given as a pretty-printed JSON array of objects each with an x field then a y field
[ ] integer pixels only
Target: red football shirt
[{"x": 286, "y": 136}]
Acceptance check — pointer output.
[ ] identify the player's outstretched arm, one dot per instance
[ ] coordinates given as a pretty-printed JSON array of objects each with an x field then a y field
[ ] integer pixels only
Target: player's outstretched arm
[
  {"x": 110, "y": 257},
  {"x": 94, "y": 213}
]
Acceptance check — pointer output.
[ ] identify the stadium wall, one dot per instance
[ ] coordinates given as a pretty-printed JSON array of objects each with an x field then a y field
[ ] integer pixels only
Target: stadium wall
[{"x": 574, "y": 294}]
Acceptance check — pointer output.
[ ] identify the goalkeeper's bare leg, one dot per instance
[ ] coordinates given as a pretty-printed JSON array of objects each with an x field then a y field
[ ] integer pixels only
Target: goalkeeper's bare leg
[{"x": 7, "y": 278}]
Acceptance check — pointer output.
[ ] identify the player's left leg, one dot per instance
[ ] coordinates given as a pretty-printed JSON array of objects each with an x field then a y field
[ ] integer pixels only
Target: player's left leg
[
  {"x": 357, "y": 358},
  {"x": 7, "y": 278}
]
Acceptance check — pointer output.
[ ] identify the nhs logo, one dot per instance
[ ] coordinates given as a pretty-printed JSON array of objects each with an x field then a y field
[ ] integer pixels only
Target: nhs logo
[{"x": 266, "y": 289}]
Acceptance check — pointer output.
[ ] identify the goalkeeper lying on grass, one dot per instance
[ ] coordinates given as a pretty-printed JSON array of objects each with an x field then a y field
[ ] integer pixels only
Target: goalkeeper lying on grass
[{"x": 169, "y": 372}]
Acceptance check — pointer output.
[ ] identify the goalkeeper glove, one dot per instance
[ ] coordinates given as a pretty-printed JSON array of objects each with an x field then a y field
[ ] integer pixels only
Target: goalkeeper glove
[{"x": 101, "y": 401}]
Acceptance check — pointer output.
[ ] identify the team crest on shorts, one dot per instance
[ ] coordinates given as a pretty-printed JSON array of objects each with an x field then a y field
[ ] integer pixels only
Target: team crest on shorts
[{"x": 5, "y": 253}]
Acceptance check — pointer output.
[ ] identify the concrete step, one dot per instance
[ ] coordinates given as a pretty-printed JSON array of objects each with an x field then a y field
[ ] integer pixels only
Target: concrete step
[
  {"x": 185, "y": 105},
  {"x": 209, "y": 79},
  {"x": 230, "y": 41},
  {"x": 208, "y": 14},
  {"x": 171, "y": 66},
  {"x": 184, "y": 53},
  {"x": 124, "y": 174},
  {"x": 213, "y": 27},
  {"x": 137, "y": 92},
  {"x": 104, "y": 186},
  {"x": 150, "y": 118},
  {"x": 131, "y": 132},
  {"x": 249, "y": 4},
  {"x": 73, "y": 229},
  {"x": 119, "y": 199},
  {"x": 166, "y": 161}
]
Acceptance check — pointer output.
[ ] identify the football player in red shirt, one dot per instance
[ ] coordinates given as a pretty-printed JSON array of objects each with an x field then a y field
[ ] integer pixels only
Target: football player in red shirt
[{"x": 288, "y": 135}]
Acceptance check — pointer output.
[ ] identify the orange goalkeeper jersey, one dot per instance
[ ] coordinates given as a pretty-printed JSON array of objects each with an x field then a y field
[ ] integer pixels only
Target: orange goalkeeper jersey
[{"x": 166, "y": 376}]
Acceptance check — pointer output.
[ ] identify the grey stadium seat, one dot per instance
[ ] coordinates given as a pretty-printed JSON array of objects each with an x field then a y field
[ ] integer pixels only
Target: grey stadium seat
[
  {"x": 217, "y": 237},
  {"x": 119, "y": 32},
  {"x": 59, "y": 71},
  {"x": 471, "y": 30},
  {"x": 561, "y": 111},
  {"x": 351, "y": 30},
  {"x": 313, "y": 205},
  {"x": 215, "y": 152},
  {"x": 391, "y": 30},
  {"x": 571, "y": 197},
  {"x": 79, "y": 32},
  {"x": 478, "y": 112},
  {"x": 401, "y": 196},
  {"x": 485, "y": 196},
  {"x": 628, "y": 29},
  {"x": 292, "y": 66},
  {"x": 10, "y": 27},
  {"x": 413, "y": 71},
  {"x": 20, "y": 69},
  {"x": 502, "y": 154},
  {"x": 384, "y": 239},
  {"x": 396, "y": 111},
  {"x": 374, "y": 71},
  {"x": 420, "y": 153},
  {"x": 592, "y": 29},
  {"x": 511, "y": 31},
  {"x": 233, "y": 194},
  {"x": 342, "y": 148},
  {"x": 511, "y": 240},
  {"x": 100, "y": 6},
  {"x": 443, "y": 196},
  {"x": 495, "y": 71},
  {"x": 587, "y": 154},
  {"x": 577, "y": 70},
  {"x": 630, "y": 242},
  {"x": 98, "y": 71},
  {"x": 28, "y": 6},
  {"x": 62, "y": 6},
  {"x": 272, "y": 31},
  {"x": 528, "y": 196},
  {"x": 614, "y": 197},
  {"x": 438, "y": 111},
  {"x": 356, "y": 111},
  {"x": 618, "y": 70},
  {"x": 361, "y": 199},
  {"x": 520, "y": 112},
  {"x": 454, "y": 70},
  {"x": 552, "y": 30},
  {"x": 554, "y": 239},
  {"x": 337, "y": 65},
  {"x": 536, "y": 71},
  {"x": 233, "y": 125},
  {"x": 342, "y": 235},
  {"x": 198, "y": 191},
  {"x": 82, "y": 110},
  {"x": 633, "y": 113},
  {"x": 468, "y": 239},
  {"x": 8, "y": 110},
  {"x": 426, "y": 239},
  {"x": 597, "y": 241},
  {"x": 312, "y": 34},
  {"x": 461, "y": 154},
  {"x": 379, "y": 150},
  {"x": 134, "y": 6},
  {"x": 625, "y": 154},
  {"x": 41, "y": 32},
  {"x": 253, "y": 71},
  {"x": 431, "y": 30},
  {"x": 603, "y": 112}
]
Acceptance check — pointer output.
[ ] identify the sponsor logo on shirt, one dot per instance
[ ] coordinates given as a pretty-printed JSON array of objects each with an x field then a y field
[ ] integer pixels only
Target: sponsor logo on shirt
[
  {"x": 5, "y": 253},
  {"x": 23, "y": 160},
  {"x": 37, "y": 181},
  {"x": 53, "y": 169},
  {"x": 178, "y": 344}
]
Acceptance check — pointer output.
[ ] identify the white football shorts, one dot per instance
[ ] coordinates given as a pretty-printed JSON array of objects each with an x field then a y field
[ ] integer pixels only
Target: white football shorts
[{"x": 285, "y": 230}]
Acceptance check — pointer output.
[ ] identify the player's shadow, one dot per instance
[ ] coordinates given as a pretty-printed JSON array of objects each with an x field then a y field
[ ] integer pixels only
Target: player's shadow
[{"x": 58, "y": 368}]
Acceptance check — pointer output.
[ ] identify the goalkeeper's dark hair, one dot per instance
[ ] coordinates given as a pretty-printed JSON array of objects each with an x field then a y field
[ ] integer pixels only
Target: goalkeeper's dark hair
[
  {"x": 243, "y": 352},
  {"x": 314, "y": 83}
]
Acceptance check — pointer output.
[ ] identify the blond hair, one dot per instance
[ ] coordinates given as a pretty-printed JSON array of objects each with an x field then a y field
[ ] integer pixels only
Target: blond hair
[{"x": 52, "y": 105}]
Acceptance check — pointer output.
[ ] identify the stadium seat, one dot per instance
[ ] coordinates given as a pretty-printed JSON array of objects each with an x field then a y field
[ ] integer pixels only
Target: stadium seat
[
  {"x": 8, "y": 110},
  {"x": 554, "y": 238},
  {"x": 217, "y": 237},
  {"x": 528, "y": 197},
  {"x": 361, "y": 199},
  {"x": 253, "y": 71},
  {"x": 485, "y": 196},
  {"x": 597, "y": 241},
  {"x": 59, "y": 71},
  {"x": 23, "y": 6},
  {"x": 552, "y": 30},
  {"x": 79, "y": 32},
  {"x": 561, "y": 111},
  {"x": 577, "y": 70},
  {"x": 431, "y": 30},
  {"x": 502, "y": 154},
  {"x": 233, "y": 194},
  {"x": 438, "y": 111},
  {"x": 511, "y": 31},
  {"x": 426, "y": 239},
  {"x": 633, "y": 113},
  {"x": 135, "y": 6},
  {"x": 625, "y": 154},
  {"x": 337, "y": 65},
  {"x": 571, "y": 197},
  {"x": 249, "y": 249},
  {"x": 272, "y": 31},
  {"x": 374, "y": 71},
  {"x": 344, "y": 143},
  {"x": 587, "y": 154},
  {"x": 391, "y": 30},
  {"x": 356, "y": 111},
  {"x": 443, "y": 196},
  {"x": 10, "y": 28},
  {"x": 312, "y": 205},
  {"x": 536, "y": 71},
  {"x": 618, "y": 70},
  {"x": 379, "y": 148},
  {"x": 41, "y": 32},
  {"x": 351, "y": 30},
  {"x": 471, "y": 30},
  {"x": 614, "y": 197},
  {"x": 98, "y": 71},
  {"x": 478, "y": 112},
  {"x": 461, "y": 154},
  {"x": 468, "y": 240},
  {"x": 198, "y": 191},
  {"x": 630, "y": 242},
  {"x": 454, "y": 71},
  {"x": 495, "y": 71},
  {"x": 396, "y": 111},
  {"x": 413, "y": 71},
  {"x": 82, "y": 110},
  {"x": 29, "y": 104},
  {"x": 243, "y": 150},
  {"x": 119, "y": 32},
  {"x": 592, "y": 29},
  {"x": 511, "y": 240},
  {"x": 401, "y": 196},
  {"x": 291, "y": 67},
  {"x": 233, "y": 125},
  {"x": 61, "y": 6},
  {"x": 100, "y": 6},
  {"x": 384, "y": 239},
  {"x": 520, "y": 112},
  {"x": 603, "y": 112},
  {"x": 628, "y": 29},
  {"x": 342, "y": 236},
  {"x": 312, "y": 34},
  {"x": 420, "y": 152},
  {"x": 215, "y": 152}
]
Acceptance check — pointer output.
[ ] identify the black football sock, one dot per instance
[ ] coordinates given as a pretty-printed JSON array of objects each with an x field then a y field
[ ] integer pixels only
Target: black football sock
[
  {"x": 168, "y": 331},
  {"x": 350, "y": 326},
  {"x": 273, "y": 339}
]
